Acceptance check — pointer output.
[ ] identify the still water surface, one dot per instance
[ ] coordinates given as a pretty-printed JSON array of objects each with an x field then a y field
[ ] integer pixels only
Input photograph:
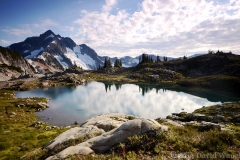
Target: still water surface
[{"x": 69, "y": 104}]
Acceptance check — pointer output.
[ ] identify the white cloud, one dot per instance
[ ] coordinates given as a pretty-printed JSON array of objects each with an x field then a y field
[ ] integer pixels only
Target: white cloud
[
  {"x": 172, "y": 27},
  {"x": 4, "y": 42},
  {"x": 163, "y": 27},
  {"x": 109, "y": 4}
]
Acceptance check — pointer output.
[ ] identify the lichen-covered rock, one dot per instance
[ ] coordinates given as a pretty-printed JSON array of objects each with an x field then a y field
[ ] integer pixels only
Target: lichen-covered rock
[
  {"x": 105, "y": 141},
  {"x": 108, "y": 121}
]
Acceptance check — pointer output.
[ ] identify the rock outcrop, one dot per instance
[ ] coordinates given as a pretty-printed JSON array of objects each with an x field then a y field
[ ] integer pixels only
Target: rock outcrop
[
  {"x": 12, "y": 65},
  {"x": 197, "y": 120},
  {"x": 121, "y": 127}
]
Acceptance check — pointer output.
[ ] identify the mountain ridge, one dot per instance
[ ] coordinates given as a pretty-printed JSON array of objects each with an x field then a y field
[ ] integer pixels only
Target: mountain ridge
[{"x": 49, "y": 52}]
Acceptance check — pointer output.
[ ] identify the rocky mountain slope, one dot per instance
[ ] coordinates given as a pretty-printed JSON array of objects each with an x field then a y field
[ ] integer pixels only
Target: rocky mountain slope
[
  {"x": 51, "y": 52},
  {"x": 12, "y": 65}
]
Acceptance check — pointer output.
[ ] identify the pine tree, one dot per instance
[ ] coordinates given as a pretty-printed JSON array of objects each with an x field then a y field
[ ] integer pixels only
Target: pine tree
[
  {"x": 158, "y": 59},
  {"x": 165, "y": 59},
  {"x": 105, "y": 63},
  {"x": 116, "y": 63},
  {"x": 109, "y": 63},
  {"x": 99, "y": 67},
  {"x": 151, "y": 59}
]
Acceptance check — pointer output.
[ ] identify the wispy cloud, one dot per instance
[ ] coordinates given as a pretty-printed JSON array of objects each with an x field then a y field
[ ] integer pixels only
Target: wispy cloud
[
  {"x": 31, "y": 29},
  {"x": 17, "y": 32},
  {"x": 45, "y": 24}
]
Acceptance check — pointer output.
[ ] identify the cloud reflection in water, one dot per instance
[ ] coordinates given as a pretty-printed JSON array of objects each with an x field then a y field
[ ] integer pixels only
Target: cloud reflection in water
[{"x": 84, "y": 101}]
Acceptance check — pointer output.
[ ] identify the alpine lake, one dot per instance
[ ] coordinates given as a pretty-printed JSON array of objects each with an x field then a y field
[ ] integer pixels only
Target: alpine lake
[{"x": 79, "y": 103}]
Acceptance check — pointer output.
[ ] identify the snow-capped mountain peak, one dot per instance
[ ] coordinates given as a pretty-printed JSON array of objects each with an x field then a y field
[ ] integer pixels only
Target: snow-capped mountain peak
[{"x": 53, "y": 51}]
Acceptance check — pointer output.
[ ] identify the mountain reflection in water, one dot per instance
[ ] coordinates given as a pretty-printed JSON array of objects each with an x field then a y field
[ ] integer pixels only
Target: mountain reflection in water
[{"x": 69, "y": 104}]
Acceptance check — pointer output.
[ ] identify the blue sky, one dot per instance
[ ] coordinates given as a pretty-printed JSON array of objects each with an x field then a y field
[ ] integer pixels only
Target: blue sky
[{"x": 128, "y": 27}]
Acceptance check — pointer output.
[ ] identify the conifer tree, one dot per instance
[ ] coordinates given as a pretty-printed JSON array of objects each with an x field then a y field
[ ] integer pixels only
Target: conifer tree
[
  {"x": 165, "y": 58},
  {"x": 158, "y": 59},
  {"x": 109, "y": 63},
  {"x": 105, "y": 63}
]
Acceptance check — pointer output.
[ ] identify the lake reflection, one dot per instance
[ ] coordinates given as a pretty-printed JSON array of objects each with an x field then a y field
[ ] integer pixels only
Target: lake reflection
[{"x": 85, "y": 101}]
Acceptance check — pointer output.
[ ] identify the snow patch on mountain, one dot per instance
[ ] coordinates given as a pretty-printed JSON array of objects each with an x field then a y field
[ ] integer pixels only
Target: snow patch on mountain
[
  {"x": 25, "y": 51},
  {"x": 50, "y": 36},
  {"x": 75, "y": 59},
  {"x": 84, "y": 57},
  {"x": 34, "y": 53},
  {"x": 54, "y": 42},
  {"x": 60, "y": 60},
  {"x": 124, "y": 65},
  {"x": 42, "y": 57},
  {"x": 77, "y": 49},
  {"x": 136, "y": 60}
]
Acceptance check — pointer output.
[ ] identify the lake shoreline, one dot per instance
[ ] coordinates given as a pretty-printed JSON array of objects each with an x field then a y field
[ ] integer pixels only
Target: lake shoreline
[
  {"x": 23, "y": 122},
  {"x": 37, "y": 130},
  {"x": 70, "y": 105}
]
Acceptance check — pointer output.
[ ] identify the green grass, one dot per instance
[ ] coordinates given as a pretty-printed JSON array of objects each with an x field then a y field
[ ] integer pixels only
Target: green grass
[
  {"x": 18, "y": 132},
  {"x": 226, "y": 109}
]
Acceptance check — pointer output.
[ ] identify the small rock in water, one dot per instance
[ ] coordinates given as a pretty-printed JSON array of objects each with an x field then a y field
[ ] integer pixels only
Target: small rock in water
[{"x": 75, "y": 123}]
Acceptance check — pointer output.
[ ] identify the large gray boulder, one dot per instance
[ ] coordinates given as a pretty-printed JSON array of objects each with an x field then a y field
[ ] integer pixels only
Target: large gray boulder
[
  {"x": 105, "y": 141},
  {"x": 74, "y": 133}
]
